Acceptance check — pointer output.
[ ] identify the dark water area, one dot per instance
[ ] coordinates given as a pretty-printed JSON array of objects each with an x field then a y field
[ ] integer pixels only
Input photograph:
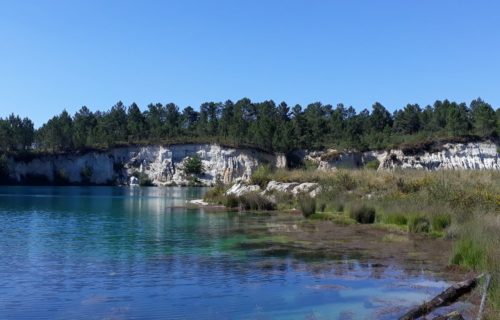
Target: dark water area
[{"x": 139, "y": 253}]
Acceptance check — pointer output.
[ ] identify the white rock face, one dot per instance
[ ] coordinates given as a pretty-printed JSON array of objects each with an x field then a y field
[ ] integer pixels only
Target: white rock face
[
  {"x": 452, "y": 156},
  {"x": 238, "y": 189},
  {"x": 162, "y": 164},
  {"x": 292, "y": 187}
]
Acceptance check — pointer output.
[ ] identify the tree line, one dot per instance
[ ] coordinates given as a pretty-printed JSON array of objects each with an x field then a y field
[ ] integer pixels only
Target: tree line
[{"x": 265, "y": 125}]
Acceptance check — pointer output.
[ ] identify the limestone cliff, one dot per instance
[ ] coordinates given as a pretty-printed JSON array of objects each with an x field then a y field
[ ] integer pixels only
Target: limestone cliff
[
  {"x": 451, "y": 156},
  {"x": 163, "y": 165}
]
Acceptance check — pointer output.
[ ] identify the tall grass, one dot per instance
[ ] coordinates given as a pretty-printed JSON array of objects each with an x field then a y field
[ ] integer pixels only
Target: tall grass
[
  {"x": 463, "y": 205},
  {"x": 307, "y": 205}
]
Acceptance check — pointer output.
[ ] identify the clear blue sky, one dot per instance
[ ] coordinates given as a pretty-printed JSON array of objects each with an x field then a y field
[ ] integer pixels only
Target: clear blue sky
[{"x": 57, "y": 54}]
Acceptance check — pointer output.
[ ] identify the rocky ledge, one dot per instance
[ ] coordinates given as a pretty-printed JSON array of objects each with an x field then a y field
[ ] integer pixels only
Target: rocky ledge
[{"x": 294, "y": 188}]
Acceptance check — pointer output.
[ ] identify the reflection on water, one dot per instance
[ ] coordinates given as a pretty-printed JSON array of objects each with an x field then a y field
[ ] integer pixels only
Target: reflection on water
[{"x": 136, "y": 253}]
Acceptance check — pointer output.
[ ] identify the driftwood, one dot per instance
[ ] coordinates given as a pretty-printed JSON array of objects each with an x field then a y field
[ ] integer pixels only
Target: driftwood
[
  {"x": 450, "y": 316},
  {"x": 445, "y": 298},
  {"x": 483, "y": 299}
]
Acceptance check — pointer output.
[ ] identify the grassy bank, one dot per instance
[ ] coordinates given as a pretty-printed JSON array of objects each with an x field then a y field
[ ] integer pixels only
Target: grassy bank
[{"x": 461, "y": 205}]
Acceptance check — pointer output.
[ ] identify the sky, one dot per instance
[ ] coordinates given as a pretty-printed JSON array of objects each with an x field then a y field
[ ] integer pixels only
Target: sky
[{"x": 58, "y": 54}]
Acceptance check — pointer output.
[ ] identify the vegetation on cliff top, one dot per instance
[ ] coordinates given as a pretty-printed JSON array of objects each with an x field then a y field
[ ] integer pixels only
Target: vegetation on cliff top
[{"x": 264, "y": 125}]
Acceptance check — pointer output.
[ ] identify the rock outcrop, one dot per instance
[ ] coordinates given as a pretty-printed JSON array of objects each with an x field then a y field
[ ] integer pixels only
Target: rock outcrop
[
  {"x": 450, "y": 156},
  {"x": 238, "y": 189},
  {"x": 162, "y": 165}
]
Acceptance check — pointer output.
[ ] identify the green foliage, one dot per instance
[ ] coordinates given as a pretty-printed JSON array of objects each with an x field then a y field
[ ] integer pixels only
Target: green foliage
[
  {"x": 216, "y": 195},
  {"x": 16, "y": 134},
  {"x": 372, "y": 165},
  {"x": 144, "y": 180},
  {"x": 265, "y": 125},
  {"x": 193, "y": 165},
  {"x": 419, "y": 224},
  {"x": 362, "y": 214},
  {"x": 468, "y": 253},
  {"x": 399, "y": 219},
  {"x": 439, "y": 222},
  {"x": 262, "y": 175},
  {"x": 307, "y": 205},
  {"x": 231, "y": 201},
  {"x": 345, "y": 181},
  {"x": 255, "y": 201}
]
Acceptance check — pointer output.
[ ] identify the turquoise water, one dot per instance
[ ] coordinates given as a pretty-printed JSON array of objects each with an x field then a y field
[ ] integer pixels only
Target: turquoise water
[{"x": 136, "y": 253}]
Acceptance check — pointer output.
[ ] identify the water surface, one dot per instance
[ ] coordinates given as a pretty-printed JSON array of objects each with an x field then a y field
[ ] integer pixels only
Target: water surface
[{"x": 138, "y": 253}]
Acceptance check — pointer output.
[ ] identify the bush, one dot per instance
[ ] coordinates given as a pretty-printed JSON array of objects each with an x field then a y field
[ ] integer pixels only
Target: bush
[
  {"x": 345, "y": 181},
  {"x": 230, "y": 201},
  {"x": 215, "y": 194},
  {"x": 372, "y": 165},
  {"x": 363, "y": 214},
  {"x": 398, "y": 219},
  {"x": 144, "y": 180},
  {"x": 255, "y": 201},
  {"x": 468, "y": 254},
  {"x": 262, "y": 176},
  {"x": 440, "y": 222},
  {"x": 419, "y": 224},
  {"x": 193, "y": 165},
  {"x": 407, "y": 187},
  {"x": 307, "y": 205}
]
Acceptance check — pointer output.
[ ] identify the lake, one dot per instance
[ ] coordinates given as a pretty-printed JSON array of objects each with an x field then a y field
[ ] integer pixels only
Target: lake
[{"x": 140, "y": 253}]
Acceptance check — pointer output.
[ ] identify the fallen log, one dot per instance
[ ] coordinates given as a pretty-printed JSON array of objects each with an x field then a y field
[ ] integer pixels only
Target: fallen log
[
  {"x": 445, "y": 298},
  {"x": 450, "y": 316}
]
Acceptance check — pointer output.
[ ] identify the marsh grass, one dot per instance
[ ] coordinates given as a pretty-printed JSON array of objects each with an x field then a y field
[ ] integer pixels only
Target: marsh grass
[
  {"x": 216, "y": 194},
  {"x": 307, "y": 205},
  {"x": 464, "y": 205},
  {"x": 362, "y": 214},
  {"x": 255, "y": 201}
]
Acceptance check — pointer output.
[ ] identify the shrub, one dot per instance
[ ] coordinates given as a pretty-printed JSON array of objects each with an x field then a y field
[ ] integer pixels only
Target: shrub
[
  {"x": 230, "y": 201},
  {"x": 322, "y": 207},
  {"x": 307, "y": 205},
  {"x": 407, "y": 187},
  {"x": 255, "y": 201},
  {"x": 396, "y": 218},
  {"x": 193, "y": 165},
  {"x": 372, "y": 165},
  {"x": 468, "y": 254},
  {"x": 345, "y": 181},
  {"x": 440, "y": 222},
  {"x": 215, "y": 194},
  {"x": 418, "y": 224},
  {"x": 262, "y": 176},
  {"x": 339, "y": 207},
  {"x": 144, "y": 180},
  {"x": 363, "y": 214}
]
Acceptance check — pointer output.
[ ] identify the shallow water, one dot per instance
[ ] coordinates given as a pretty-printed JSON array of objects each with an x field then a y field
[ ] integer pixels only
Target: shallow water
[{"x": 136, "y": 253}]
